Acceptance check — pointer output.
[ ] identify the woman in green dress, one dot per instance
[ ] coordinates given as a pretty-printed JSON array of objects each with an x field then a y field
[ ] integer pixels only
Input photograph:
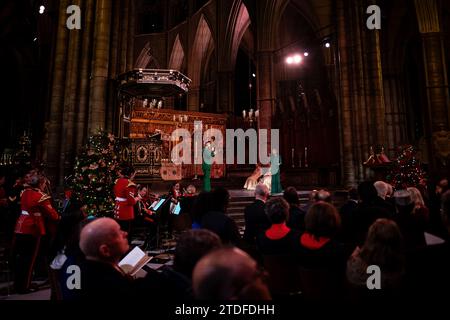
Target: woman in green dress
[
  {"x": 208, "y": 154},
  {"x": 275, "y": 162}
]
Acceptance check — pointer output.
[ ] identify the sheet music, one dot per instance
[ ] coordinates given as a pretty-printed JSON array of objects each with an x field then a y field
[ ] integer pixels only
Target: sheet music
[
  {"x": 431, "y": 239},
  {"x": 132, "y": 258}
]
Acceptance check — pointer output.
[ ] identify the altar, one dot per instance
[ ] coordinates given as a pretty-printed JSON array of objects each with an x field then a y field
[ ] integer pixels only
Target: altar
[
  {"x": 152, "y": 141},
  {"x": 149, "y": 128}
]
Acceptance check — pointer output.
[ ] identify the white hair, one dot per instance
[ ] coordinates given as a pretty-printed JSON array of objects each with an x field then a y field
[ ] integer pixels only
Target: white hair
[
  {"x": 416, "y": 196},
  {"x": 382, "y": 188}
]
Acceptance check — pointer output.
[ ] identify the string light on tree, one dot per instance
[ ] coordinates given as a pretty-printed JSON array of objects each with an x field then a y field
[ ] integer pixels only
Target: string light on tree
[
  {"x": 95, "y": 173},
  {"x": 407, "y": 170}
]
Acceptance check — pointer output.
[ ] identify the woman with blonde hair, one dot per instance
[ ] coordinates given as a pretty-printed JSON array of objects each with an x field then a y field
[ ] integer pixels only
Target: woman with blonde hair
[
  {"x": 420, "y": 210},
  {"x": 384, "y": 248}
]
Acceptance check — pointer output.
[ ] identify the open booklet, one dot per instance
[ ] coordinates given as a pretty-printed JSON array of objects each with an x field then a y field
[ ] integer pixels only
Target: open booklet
[{"x": 134, "y": 261}]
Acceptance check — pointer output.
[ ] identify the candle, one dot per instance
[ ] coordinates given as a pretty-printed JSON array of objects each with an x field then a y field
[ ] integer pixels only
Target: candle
[
  {"x": 243, "y": 113},
  {"x": 292, "y": 155},
  {"x": 174, "y": 118},
  {"x": 306, "y": 157}
]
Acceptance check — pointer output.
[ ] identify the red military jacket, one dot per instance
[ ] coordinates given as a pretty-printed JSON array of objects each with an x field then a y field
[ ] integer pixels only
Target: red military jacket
[
  {"x": 36, "y": 208},
  {"x": 125, "y": 191}
]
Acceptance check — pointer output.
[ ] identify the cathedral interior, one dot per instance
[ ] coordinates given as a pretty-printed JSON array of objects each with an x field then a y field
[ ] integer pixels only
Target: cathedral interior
[{"x": 355, "y": 90}]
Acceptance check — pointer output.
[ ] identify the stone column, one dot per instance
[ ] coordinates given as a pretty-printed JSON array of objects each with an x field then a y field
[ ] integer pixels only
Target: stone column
[
  {"x": 57, "y": 98},
  {"x": 131, "y": 30},
  {"x": 225, "y": 92},
  {"x": 70, "y": 103},
  {"x": 85, "y": 73},
  {"x": 100, "y": 66},
  {"x": 436, "y": 81},
  {"x": 124, "y": 34},
  {"x": 346, "y": 109},
  {"x": 265, "y": 90},
  {"x": 193, "y": 99}
]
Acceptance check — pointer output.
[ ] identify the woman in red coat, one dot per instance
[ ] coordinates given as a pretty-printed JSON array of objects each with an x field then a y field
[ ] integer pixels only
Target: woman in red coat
[{"x": 125, "y": 191}]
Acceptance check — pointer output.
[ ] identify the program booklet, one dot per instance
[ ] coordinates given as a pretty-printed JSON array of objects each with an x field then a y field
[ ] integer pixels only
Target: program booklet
[{"x": 134, "y": 261}]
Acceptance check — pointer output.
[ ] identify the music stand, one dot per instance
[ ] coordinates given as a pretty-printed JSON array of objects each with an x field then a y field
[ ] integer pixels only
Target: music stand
[{"x": 157, "y": 209}]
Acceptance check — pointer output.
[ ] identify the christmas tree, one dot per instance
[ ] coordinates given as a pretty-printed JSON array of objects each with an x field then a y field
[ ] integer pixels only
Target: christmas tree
[
  {"x": 95, "y": 173},
  {"x": 407, "y": 171}
]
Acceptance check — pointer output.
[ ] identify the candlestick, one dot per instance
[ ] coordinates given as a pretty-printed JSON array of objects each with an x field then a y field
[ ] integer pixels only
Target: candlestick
[
  {"x": 306, "y": 157},
  {"x": 293, "y": 157}
]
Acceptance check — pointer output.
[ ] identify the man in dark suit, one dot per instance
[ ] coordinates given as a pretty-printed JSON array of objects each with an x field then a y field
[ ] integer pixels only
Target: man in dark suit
[
  {"x": 104, "y": 244},
  {"x": 218, "y": 222},
  {"x": 256, "y": 219}
]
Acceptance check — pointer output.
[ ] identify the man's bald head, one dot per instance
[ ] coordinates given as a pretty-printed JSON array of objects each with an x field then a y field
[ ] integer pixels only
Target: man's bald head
[
  {"x": 262, "y": 191},
  {"x": 226, "y": 274},
  {"x": 382, "y": 189},
  {"x": 103, "y": 240}
]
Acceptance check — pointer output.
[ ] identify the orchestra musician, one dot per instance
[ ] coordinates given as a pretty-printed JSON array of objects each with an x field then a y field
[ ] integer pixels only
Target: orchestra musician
[
  {"x": 146, "y": 215},
  {"x": 174, "y": 193},
  {"x": 31, "y": 226},
  {"x": 125, "y": 191},
  {"x": 144, "y": 201}
]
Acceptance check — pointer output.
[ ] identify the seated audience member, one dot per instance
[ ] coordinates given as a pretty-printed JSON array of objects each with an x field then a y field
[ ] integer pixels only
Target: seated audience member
[
  {"x": 318, "y": 246},
  {"x": 323, "y": 195},
  {"x": 229, "y": 274},
  {"x": 187, "y": 201},
  {"x": 216, "y": 219},
  {"x": 428, "y": 266},
  {"x": 383, "y": 248},
  {"x": 412, "y": 226},
  {"x": 65, "y": 250},
  {"x": 256, "y": 220},
  {"x": 175, "y": 283},
  {"x": 420, "y": 211},
  {"x": 382, "y": 199},
  {"x": 347, "y": 213},
  {"x": 104, "y": 244},
  {"x": 278, "y": 238},
  {"x": 311, "y": 201},
  {"x": 200, "y": 207},
  {"x": 368, "y": 211},
  {"x": 296, "y": 220}
]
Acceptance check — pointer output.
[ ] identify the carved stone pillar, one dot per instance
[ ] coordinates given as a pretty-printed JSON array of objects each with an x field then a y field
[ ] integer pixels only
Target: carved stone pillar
[
  {"x": 97, "y": 99},
  {"x": 112, "y": 105},
  {"x": 193, "y": 99},
  {"x": 85, "y": 72},
  {"x": 346, "y": 107},
  {"x": 225, "y": 91},
  {"x": 436, "y": 80},
  {"x": 70, "y": 103},
  {"x": 57, "y": 98},
  {"x": 131, "y": 28},
  {"x": 124, "y": 34},
  {"x": 265, "y": 91}
]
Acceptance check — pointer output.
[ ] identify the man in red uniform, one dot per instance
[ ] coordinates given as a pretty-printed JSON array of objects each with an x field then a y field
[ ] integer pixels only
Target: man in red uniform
[
  {"x": 125, "y": 192},
  {"x": 31, "y": 225}
]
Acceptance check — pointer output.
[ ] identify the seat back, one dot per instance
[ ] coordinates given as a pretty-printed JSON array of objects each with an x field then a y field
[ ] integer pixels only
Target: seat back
[
  {"x": 283, "y": 274},
  {"x": 318, "y": 284}
]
